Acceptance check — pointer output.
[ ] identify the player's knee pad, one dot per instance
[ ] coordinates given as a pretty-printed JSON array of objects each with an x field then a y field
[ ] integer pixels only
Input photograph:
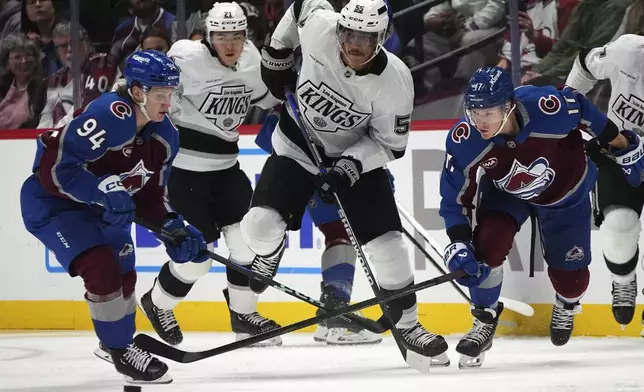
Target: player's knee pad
[
  {"x": 240, "y": 253},
  {"x": 493, "y": 237},
  {"x": 619, "y": 234},
  {"x": 128, "y": 281},
  {"x": 390, "y": 257},
  {"x": 190, "y": 272},
  {"x": 262, "y": 229},
  {"x": 100, "y": 271},
  {"x": 569, "y": 284}
]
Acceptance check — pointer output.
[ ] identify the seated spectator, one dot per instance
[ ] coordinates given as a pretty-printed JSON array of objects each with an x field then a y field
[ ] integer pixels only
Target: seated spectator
[
  {"x": 156, "y": 39},
  {"x": 21, "y": 87},
  {"x": 196, "y": 20},
  {"x": 460, "y": 24},
  {"x": 97, "y": 77},
  {"x": 9, "y": 17},
  {"x": 37, "y": 23},
  {"x": 541, "y": 25},
  {"x": 593, "y": 23},
  {"x": 147, "y": 14}
]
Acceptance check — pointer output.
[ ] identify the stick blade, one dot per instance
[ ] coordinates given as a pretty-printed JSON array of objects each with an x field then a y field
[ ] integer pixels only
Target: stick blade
[
  {"x": 517, "y": 306},
  {"x": 418, "y": 362}
]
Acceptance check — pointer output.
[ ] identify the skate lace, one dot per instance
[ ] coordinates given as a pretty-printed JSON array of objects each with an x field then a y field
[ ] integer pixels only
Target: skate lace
[
  {"x": 265, "y": 265},
  {"x": 138, "y": 358},
  {"x": 562, "y": 318},
  {"x": 624, "y": 294},
  {"x": 167, "y": 319},
  {"x": 256, "y": 319},
  {"x": 418, "y": 336},
  {"x": 480, "y": 332}
]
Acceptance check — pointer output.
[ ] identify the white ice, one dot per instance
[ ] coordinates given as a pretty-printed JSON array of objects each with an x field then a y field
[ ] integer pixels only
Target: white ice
[{"x": 64, "y": 361}]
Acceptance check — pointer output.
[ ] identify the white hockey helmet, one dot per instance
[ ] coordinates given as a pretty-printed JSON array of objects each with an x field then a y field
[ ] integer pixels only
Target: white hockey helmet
[
  {"x": 367, "y": 16},
  {"x": 225, "y": 17}
]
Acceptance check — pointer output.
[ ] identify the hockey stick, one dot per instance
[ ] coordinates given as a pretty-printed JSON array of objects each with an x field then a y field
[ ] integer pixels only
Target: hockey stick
[
  {"x": 371, "y": 325},
  {"x": 413, "y": 359},
  {"x": 512, "y": 304},
  {"x": 161, "y": 349}
]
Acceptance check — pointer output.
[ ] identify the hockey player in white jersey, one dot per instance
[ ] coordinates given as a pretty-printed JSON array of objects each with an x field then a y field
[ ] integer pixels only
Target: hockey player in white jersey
[
  {"x": 356, "y": 99},
  {"x": 221, "y": 80},
  {"x": 619, "y": 204}
]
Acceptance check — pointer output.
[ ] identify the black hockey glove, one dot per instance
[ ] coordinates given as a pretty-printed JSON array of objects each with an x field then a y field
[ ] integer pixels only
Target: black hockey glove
[
  {"x": 278, "y": 71},
  {"x": 344, "y": 173}
]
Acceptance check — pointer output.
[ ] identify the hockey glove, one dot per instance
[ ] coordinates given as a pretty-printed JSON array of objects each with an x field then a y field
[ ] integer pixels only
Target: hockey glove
[
  {"x": 460, "y": 256},
  {"x": 278, "y": 71},
  {"x": 630, "y": 158},
  {"x": 344, "y": 173},
  {"x": 118, "y": 206},
  {"x": 189, "y": 244}
]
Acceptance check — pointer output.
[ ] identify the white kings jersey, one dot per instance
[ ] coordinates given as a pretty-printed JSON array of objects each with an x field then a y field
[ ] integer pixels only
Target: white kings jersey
[
  {"x": 621, "y": 61},
  {"x": 365, "y": 115},
  {"x": 214, "y": 102}
]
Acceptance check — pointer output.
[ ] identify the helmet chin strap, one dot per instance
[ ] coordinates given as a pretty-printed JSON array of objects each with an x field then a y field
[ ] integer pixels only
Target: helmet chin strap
[
  {"x": 141, "y": 104},
  {"x": 505, "y": 119}
]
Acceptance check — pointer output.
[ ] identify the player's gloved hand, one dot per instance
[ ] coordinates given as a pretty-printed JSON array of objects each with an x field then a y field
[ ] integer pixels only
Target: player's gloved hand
[
  {"x": 630, "y": 158},
  {"x": 189, "y": 244},
  {"x": 118, "y": 206},
  {"x": 460, "y": 256},
  {"x": 278, "y": 71},
  {"x": 344, "y": 173}
]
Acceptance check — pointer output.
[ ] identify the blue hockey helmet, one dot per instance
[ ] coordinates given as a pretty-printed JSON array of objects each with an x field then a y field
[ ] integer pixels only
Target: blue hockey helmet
[
  {"x": 151, "y": 68},
  {"x": 489, "y": 88}
]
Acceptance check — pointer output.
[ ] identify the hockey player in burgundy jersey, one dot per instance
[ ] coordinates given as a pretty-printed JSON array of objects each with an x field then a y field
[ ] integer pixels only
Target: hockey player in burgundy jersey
[
  {"x": 109, "y": 163},
  {"x": 528, "y": 143}
]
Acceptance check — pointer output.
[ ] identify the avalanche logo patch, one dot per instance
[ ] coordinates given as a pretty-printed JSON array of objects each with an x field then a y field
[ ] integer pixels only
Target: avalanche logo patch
[
  {"x": 136, "y": 178},
  {"x": 550, "y": 105},
  {"x": 461, "y": 132},
  {"x": 575, "y": 254},
  {"x": 326, "y": 110},
  {"x": 527, "y": 182},
  {"x": 127, "y": 250}
]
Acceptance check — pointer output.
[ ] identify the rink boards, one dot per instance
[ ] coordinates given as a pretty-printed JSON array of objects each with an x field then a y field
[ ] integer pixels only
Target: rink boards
[{"x": 35, "y": 293}]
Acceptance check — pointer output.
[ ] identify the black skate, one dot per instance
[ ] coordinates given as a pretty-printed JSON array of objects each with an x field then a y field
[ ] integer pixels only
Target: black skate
[
  {"x": 163, "y": 321},
  {"x": 251, "y": 324},
  {"x": 140, "y": 367},
  {"x": 266, "y": 266},
  {"x": 426, "y": 344},
  {"x": 341, "y": 330},
  {"x": 624, "y": 296},
  {"x": 478, "y": 340},
  {"x": 562, "y": 321}
]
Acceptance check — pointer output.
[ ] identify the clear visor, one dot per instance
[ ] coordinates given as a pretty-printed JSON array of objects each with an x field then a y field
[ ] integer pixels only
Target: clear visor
[
  {"x": 161, "y": 95},
  {"x": 230, "y": 37},
  {"x": 359, "y": 42},
  {"x": 486, "y": 117}
]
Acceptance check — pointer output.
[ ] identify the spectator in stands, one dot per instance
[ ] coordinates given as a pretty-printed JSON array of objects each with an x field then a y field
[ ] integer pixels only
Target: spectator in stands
[
  {"x": 156, "y": 38},
  {"x": 9, "y": 17},
  {"x": 147, "y": 14},
  {"x": 196, "y": 21},
  {"x": 593, "y": 23},
  {"x": 97, "y": 77},
  {"x": 459, "y": 23},
  {"x": 20, "y": 83},
  {"x": 541, "y": 23},
  {"x": 37, "y": 23},
  {"x": 633, "y": 21}
]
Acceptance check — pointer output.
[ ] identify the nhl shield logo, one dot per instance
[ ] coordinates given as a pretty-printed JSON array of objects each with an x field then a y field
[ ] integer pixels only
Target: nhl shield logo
[{"x": 527, "y": 182}]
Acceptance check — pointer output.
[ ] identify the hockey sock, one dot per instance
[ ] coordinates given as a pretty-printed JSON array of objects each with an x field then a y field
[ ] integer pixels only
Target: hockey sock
[
  {"x": 487, "y": 294},
  {"x": 113, "y": 318}
]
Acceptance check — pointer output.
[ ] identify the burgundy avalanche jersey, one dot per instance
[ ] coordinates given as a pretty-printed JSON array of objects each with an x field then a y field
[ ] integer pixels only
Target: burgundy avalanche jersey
[
  {"x": 544, "y": 164},
  {"x": 103, "y": 141}
]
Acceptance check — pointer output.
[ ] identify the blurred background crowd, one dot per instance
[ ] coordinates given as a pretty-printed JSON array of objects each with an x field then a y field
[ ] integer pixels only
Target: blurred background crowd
[{"x": 442, "y": 41}]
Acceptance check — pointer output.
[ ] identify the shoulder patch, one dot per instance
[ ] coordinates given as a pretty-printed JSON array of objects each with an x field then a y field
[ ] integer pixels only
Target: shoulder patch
[
  {"x": 121, "y": 110},
  {"x": 461, "y": 132},
  {"x": 550, "y": 105}
]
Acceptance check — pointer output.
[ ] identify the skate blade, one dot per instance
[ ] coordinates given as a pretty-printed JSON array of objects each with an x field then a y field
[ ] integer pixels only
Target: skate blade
[
  {"x": 320, "y": 334},
  {"x": 104, "y": 355},
  {"x": 467, "y": 362},
  {"x": 165, "y": 379},
  {"x": 423, "y": 363},
  {"x": 276, "y": 341}
]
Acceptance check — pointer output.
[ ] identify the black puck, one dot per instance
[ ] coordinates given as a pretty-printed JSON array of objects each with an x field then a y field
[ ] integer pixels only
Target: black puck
[{"x": 131, "y": 388}]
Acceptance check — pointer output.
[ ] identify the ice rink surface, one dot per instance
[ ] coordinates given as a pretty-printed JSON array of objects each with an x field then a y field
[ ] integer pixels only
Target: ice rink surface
[{"x": 64, "y": 362}]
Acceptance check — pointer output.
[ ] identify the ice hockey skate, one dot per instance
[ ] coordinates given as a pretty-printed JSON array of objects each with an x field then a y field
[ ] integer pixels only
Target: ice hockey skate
[
  {"x": 251, "y": 324},
  {"x": 163, "y": 321},
  {"x": 427, "y": 344},
  {"x": 266, "y": 266},
  {"x": 341, "y": 331},
  {"x": 624, "y": 300},
  {"x": 562, "y": 321},
  {"x": 140, "y": 367},
  {"x": 478, "y": 340}
]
